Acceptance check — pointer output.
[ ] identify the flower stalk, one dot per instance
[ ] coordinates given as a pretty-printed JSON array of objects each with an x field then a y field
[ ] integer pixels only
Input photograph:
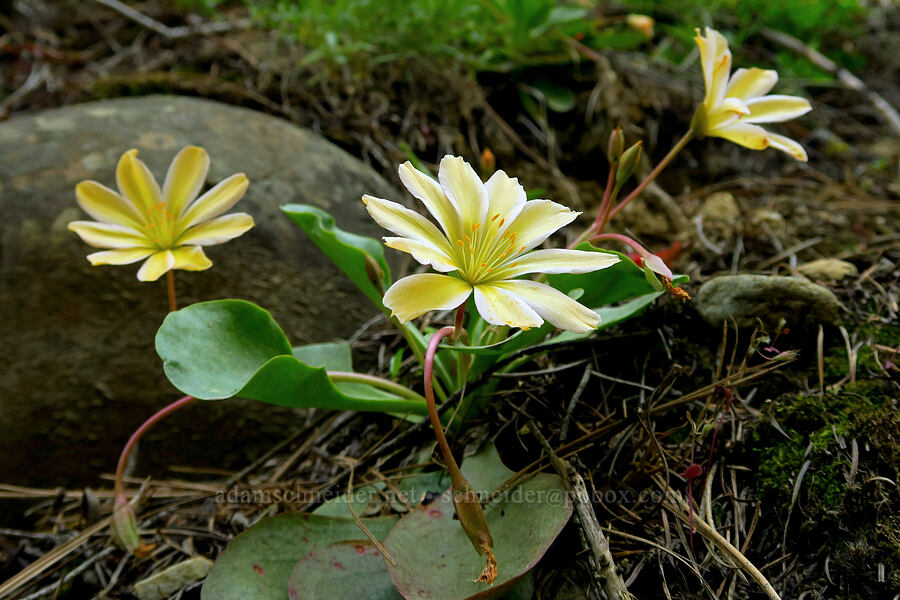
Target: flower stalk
[
  {"x": 170, "y": 285},
  {"x": 124, "y": 523},
  {"x": 465, "y": 498}
]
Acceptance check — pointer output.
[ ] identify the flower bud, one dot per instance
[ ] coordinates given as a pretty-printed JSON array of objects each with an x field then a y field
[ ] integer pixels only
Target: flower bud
[
  {"x": 471, "y": 517},
  {"x": 628, "y": 163},
  {"x": 616, "y": 145},
  {"x": 124, "y": 529},
  {"x": 488, "y": 162},
  {"x": 642, "y": 23}
]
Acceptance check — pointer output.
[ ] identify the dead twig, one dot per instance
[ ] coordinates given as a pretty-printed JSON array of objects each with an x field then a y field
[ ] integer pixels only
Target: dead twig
[
  {"x": 612, "y": 582},
  {"x": 173, "y": 32}
]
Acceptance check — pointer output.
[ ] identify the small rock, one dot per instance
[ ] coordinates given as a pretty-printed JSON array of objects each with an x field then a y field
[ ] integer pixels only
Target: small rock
[
  {"x": 720, "y": 206},
  {"x": 644, "y": 220},
  {"x": 832, "y": 269},
  {"x": 165, "y": 583},
  {"x": 767, "y": 298}
]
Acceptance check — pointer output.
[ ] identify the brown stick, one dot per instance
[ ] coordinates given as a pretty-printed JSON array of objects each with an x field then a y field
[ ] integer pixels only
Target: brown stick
[{"x": 606, "y": 572}]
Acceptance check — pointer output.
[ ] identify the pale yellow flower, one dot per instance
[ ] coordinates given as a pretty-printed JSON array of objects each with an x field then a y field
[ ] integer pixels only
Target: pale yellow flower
[
  {"x": 734, "y": 105},
  {"x": 166, "y": 227},
  {"x": 486, "y": 232}
]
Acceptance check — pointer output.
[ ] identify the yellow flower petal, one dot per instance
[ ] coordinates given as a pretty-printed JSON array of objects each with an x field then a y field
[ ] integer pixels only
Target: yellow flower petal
[
  {"x": 553, "y": 305},
  {"x": 136, "y": 182},
  {"x": 429, "y": 192},
  {"x": 750, "y": 83},
  {"x": 216, "y": 231},
  {"x": 121, "y": 256},
  {"x": 775, "y": 108},
  {"x": 185, "y": 177},
  {"x": 499, "y": 306},
  {"x": 105, "y": 205},
  {"x": 216, "y": 201},
  {"x": 538, "y": 220},
  {"x": 156, "y": 265},
  {"x": 465, "y": 190},
  {"x": 715, "y": 59},
  {"x": 415, "y": 295},
  {"x": 191, "y": 258},
  {"x": 506, "y": 197},
  {"x": 404, "y": 222},
  {"x": 423, "y": 252},
  {"x": 743, "y": 134},
  {"x": 786, "y": 144},
  {"x": 108, "y": 235},
  {"x": 557, "y": 261}
]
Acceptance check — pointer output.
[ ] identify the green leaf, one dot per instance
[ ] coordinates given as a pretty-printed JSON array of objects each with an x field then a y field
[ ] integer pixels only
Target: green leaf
[
  {"x": 258, "y": 563},
  {"x": 347, "y": 250},
  {"x": 342, "y": 570},
  {"x": 374, "y": 499},
  {"x": 334, "y": 356},
  {"x": 622, "y": 281},
  {"x": 434, "y": 558},
  {"x": 226, "y": 348}
]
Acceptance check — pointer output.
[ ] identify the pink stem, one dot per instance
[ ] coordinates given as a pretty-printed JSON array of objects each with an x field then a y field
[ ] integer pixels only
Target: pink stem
[
  {"x": 452, "y": 467},
  {"x": 679, "y": 145},
  {"x": 624, "y": 239},
  {"x": 133, "y": 440}
]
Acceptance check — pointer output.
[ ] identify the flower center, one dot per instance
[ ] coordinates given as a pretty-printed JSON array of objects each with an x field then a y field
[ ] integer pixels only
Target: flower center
[
  {"x": 488, "y": 247},
  {"x": 160, "y": 225}
]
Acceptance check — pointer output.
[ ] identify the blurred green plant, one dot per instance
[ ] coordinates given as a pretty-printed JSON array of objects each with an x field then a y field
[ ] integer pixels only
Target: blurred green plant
[
  {"x": 487, "y": 34},
  {"x": 818, "y": 23}
]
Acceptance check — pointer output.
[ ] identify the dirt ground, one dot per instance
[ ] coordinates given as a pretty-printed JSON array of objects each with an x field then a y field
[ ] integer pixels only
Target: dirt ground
[{"x": 796, "y": 428}]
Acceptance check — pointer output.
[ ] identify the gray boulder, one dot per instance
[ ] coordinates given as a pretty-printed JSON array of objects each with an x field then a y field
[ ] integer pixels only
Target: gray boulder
[
  {"x": 79, "y": 367},
  {"x": 768, "y": 299}
]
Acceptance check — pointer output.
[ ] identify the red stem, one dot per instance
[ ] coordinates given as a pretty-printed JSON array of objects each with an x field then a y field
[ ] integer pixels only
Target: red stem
[
  {"x": 455, "y": 474},
  {"x": 622, "y": 238},
  {"x": 458, "y": 325},
  {"x": 133, "y": 440},
  {"x": 653, "y": 174}
]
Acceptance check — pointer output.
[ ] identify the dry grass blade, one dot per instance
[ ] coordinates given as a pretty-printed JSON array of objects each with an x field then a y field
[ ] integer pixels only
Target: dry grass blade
[
  {"x": 677, "y": 506},
  {"x": 45, "y": 562}
]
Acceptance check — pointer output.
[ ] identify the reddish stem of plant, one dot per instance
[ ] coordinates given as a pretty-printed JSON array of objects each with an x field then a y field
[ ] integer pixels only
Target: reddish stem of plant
[
  {"x": 458, "y": 325},
  {"x": 621, "y": 238},
  {"x": 455, "y": 474},
  {"x": 605, "y": 204},
  {"x": 170, "y": 284},
  {"x": 679, "y": 145},
  {"x": 133, "y": 440}
]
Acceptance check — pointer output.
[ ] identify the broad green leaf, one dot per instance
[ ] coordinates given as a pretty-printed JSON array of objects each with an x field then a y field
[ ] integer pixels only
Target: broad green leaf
[
  {"x": 227, "y": 348},
  {"x": 559, "y": 98},
  {"x": 347, "y": 250},
  {"x": 334, "y": 356},
  {"x": 436, "y": 561},
  {"x": 374, "y": 499},
  {"x": 342, "y": 570},
  {"x": 258, "y": 563}
]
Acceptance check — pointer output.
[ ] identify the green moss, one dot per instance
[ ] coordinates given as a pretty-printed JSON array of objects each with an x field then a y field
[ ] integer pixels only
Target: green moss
[
  {"x": 819, "y": 429},
  {"x": 871, "y": 334}
]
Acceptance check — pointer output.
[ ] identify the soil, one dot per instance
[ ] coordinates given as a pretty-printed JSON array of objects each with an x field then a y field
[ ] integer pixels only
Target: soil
[{"x": 795, "y": 429}]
